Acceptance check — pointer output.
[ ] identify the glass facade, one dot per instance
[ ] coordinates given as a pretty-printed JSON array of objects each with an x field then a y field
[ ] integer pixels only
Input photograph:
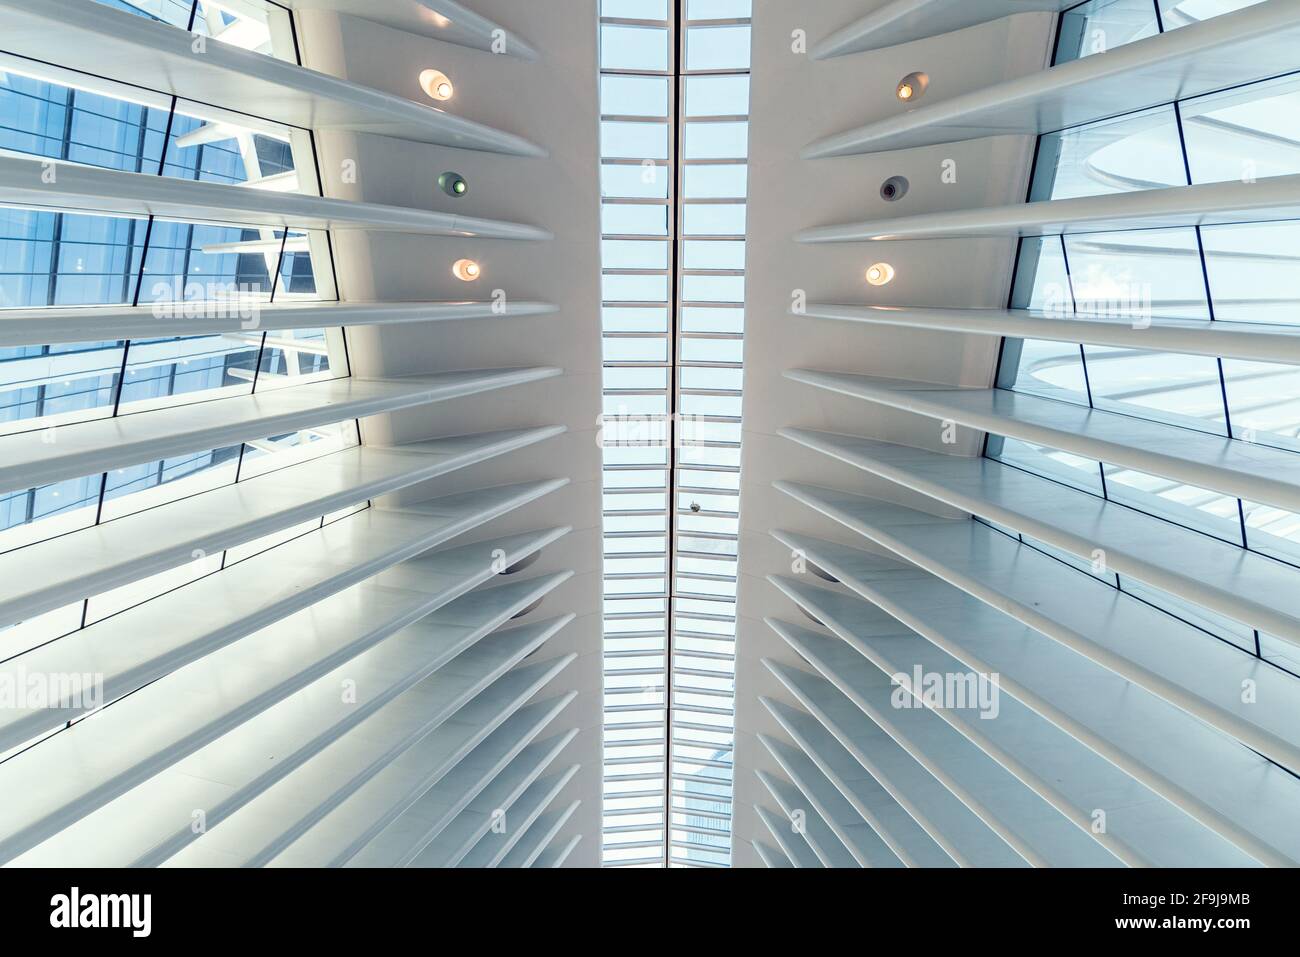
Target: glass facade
[
  {"x": 674, "y": 142},
  {"x": 1224, "y": 273},
  {"x": 175, "y": 269}
]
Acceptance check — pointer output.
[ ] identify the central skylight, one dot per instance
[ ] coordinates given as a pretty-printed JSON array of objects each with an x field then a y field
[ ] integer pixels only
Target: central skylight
[{"x": 674, "y": 138}]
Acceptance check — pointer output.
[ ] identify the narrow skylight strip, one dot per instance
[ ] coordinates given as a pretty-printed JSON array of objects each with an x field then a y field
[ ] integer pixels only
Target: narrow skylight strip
[{"x": 674, "y": 105}]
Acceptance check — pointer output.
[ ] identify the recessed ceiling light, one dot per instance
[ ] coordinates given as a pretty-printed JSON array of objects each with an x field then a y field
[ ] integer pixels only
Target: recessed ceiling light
[
  {"x": 880, "y": 274},
  {"x": 912, "y": 87},
  {"x": 453, "y": 184},
  {"x": 436, "y": 84},
  {"x": 466, "y": 270}
]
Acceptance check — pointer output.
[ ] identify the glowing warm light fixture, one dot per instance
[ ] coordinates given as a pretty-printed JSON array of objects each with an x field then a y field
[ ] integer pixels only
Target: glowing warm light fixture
[
  {"x": 912, "y": 87},
  {"x": 466, "y": 270},
  {"x": 880, "y": 274},
  {"x": 436, "y": 84}
]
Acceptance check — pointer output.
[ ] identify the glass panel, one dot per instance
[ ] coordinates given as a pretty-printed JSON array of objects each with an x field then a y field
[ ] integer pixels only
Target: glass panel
[
  {"x": 1198, "y": 508},
  {"x": 1244, "y": 133},
  {"x": 717, "y": 95},
  {"x": 1223, "y": 628},
  {"x": 717, "y": 48},
  {"x": 1254, "y": 271},
  {"x": 634, "y": 95},
  {"x": 1080, "y": 473},
  {"x": 1182, "y": 390},
  {"x": 717, "y": 140},
  {"x": 1137, "y": 275},
  {"x": 1182, "y": 13},
  {"x": 634, "y": 180},
  {"x": 634, "y": 140},
  {"x": 140, "y": 487},
  {"x": 1264, "y": 402},
  {"x": 633, "y": 48},
  {"x": 1101, "y": 25},
  {"x": 1140, "y": 151}
]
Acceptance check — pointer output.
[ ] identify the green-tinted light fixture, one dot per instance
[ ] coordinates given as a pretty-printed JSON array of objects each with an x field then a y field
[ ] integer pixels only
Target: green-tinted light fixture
[{"x": 453, "y": 184}]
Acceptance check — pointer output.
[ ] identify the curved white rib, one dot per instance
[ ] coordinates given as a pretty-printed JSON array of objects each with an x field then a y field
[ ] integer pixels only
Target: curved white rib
[
  {"x": 796, "y": 850},
  {"x": 803, "y": 815},
  {"x": 1027, "y": 823},
  {"x": 51, "y": 573},
  {"x": 952, "y": 825},
  {"x": 1142, "y": 829},
  {"x": 555, "y": 854},
  {"x": 1268, "y": 199},
  {"x": 902, "y": 21},
  {"x": 433, "y": 667},
  {"x": 147, "y": 642},
  {"x": 57, "y": 324},
  {"x": 1255, "y": 473},
  {"x": 538, "y": 839},
  {"x": 1186, "y": 667},
  {"x": 1239, "y": 584},
  {"x": 435, "y": 19},
  {"x": 30, "y": 460},
  {"x": 295, "y": 668},
  {"x": 123, "y": 46},
  {"x": 494, "y": 847},
  {"x": 87, "y": 189},
  {"x": 857, "y": 836},
  {"x": 451, "y": 765},
  {"x": 1259, "y": 342},
  {"x": 874, "y": 804},
  {"x": 447, "y": 842},
  {"x": 770, "y": 856},
  {"x": 1251, "y": 44},
  {"x": 1205, "y": 773}
]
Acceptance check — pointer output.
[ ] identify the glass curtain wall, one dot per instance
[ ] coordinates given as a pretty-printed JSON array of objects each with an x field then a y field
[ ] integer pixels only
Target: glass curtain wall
[
  {"x": 674, "y": 143},
  {"x": 177, "y": 269},
  {"x": 1225, "y": 273}
]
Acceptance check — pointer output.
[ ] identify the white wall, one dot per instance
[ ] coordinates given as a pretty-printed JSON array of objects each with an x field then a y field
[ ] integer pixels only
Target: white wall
[
  {"x": 552, "y": 102},
  {"x": 795, "y": 101}
]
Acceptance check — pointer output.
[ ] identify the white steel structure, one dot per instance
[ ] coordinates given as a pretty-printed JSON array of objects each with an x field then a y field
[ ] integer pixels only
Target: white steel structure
[{"x": 372, "y": 484}]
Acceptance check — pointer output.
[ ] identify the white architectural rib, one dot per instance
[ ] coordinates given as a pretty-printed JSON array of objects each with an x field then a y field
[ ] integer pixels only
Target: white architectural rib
[
  {"x": 803, "y": 814},
  {"x": 1268, "y": 199},
  {"x": 557, "y": 852},
  {"x": 31, "y": 460},
  {"x": 495, "y": 846},
  {"x": 1242, "y": 585},
  {"x": 87, "y": 189},
  {"x": 1196, "y": 672},
  {"x": 49, "y": 574},
  {"x": 128, "y": 650},
  {"x": 903, "y": 21},
  {"x": 1036, "y": 830},
  {"x": 450, "y": 845},
  {"x": 1142, "y": 829},
  {"x": 255, "y": 709},
  {"x": 437, "y": 19},
  {"x": 1252, "y": 472},
  {"x": 59, "y": 324},
  {"x": 1258, "y": 342},
  {"x": 792, "y": 844},
  {"x": 873, "y": 803},
  {"x": 1233, "y": 49},
  {"x": 952, "y": 825},
  {"x": 857, "y": 836},
  {"x": 1207, "y": 774},
  {"x": 122, "y": 46},
  {"x": 770, "y": 856},
  {"x": 453, "y": 764}
]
